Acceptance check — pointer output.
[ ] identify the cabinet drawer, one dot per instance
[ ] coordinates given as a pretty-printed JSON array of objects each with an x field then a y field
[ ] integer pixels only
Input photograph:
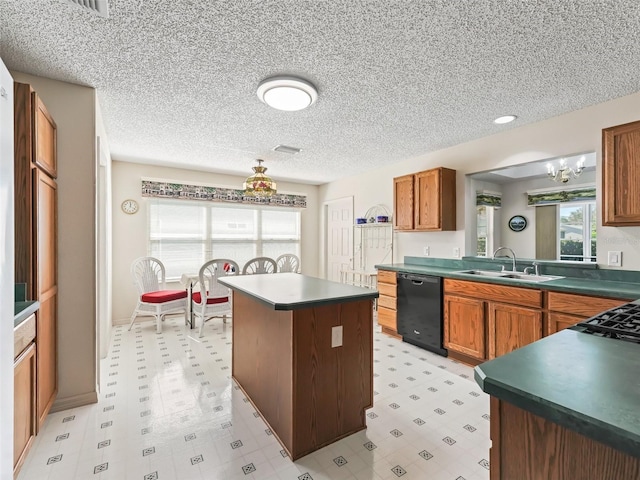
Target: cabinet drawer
[
  {"x": 387, "y": 318},
  {"x": 581, "y": 305},
  {"x": 385, "y": 276},
  {"x": 387, "y": 302},
  {"x": 388, "y": 290},
  {"x": 488, "y": 291},
  {"x": 23, "y": 335}
]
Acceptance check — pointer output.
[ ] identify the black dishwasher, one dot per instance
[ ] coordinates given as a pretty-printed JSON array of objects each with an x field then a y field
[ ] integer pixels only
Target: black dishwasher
[{"x": 419, "y": 309}]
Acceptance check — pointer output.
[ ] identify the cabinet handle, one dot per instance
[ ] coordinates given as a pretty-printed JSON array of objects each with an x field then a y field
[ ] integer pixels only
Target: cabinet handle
[
  {"x": 416, "y": 332},
  {"x": 416, "y": 282}
]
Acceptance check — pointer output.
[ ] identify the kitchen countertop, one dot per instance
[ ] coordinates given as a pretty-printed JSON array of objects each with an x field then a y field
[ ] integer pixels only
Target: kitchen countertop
[
  {"x": 582, "y": 382},
  {"x": 600, "y": 288},
  {"x": 293, "y": 291},
  {"x": 23, "y": 310}
]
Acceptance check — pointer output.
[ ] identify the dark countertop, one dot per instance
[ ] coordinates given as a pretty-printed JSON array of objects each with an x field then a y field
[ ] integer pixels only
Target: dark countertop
[
  {"x": 292, "y": 291},
  {"x": 22, "y": 310},
  {"x": 585, "y": 383},
  {"x": 600, "y": 288}
]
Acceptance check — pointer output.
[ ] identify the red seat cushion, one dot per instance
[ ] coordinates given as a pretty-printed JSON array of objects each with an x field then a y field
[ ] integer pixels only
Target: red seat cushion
[
  {"x": 210, "y": 301},
  {"x": 162, "y": 296}
]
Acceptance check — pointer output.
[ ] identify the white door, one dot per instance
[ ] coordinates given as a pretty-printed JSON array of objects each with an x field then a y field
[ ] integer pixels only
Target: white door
[{"x": 339, "y": 237}]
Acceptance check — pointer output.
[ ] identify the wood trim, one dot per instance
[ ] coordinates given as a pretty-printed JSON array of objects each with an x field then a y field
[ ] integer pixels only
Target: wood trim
[
  {"x": 581, "y": 305},
  {"x": 74, "y": 401},
  {"x": 523, "y": 296},
  {"x": 390, "y": 332}
]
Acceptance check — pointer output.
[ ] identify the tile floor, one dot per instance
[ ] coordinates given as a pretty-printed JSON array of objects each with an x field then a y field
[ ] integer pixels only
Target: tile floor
[{"x": 169, "y": 410}]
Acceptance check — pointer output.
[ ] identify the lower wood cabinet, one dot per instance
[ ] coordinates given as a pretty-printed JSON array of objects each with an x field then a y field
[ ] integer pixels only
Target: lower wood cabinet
[
  {"x": 24, "y": 405},
  {"x": 47, "y": 384},
  {"x": 510, "y": 327},
  {"x": 387, "y": 302},
  {"x": 483, "y": 320},
  {"x": 464, "y": 326},
  {"x": 567, "y": 309}
]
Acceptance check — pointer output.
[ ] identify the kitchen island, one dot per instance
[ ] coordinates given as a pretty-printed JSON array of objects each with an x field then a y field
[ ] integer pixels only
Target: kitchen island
[
  {"x": 565, "y": 407},
  {"x": 302, "y": 352}
]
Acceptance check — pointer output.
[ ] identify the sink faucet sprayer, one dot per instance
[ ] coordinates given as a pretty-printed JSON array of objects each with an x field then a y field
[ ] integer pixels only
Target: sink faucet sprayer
[{"x": 513, "y": 256}]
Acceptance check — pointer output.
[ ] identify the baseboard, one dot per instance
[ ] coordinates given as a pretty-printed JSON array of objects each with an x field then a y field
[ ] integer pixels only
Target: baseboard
[
  {"x": 73, "y": 402},
  {"x": 141, "y": 318}
]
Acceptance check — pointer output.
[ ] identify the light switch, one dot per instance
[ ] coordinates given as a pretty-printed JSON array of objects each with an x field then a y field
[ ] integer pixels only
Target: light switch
[
  {"x": 336, "y": 336},
  {"x": 614, "y": 259}
]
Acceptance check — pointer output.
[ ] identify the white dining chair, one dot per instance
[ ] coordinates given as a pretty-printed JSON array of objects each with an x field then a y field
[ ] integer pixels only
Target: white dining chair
[
  {"x": 214, "y": 299},
  {"x": 153, "y": 296},
  {"x": 260, "y": 265},
  {"x": 288, "y": 262}
]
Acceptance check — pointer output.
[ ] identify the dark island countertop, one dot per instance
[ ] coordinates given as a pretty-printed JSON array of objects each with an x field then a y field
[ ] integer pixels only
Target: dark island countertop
[
  {"x": 292, "y": 291},
  {"x": 584, "y": 286},
  {"x": 22, "y": 311},
  {"x": 585, "y": 383}
]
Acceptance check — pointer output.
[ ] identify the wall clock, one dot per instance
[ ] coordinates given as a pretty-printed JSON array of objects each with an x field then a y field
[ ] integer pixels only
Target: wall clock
[
  {"x": 129, "y": 206},
  {"x": 517, "y": 223}
]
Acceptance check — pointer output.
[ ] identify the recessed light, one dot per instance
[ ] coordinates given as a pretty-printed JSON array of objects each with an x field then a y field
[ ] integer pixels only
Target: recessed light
[
  {"x": 505, "y": 119},
  {"x": 287, "y": 93}
]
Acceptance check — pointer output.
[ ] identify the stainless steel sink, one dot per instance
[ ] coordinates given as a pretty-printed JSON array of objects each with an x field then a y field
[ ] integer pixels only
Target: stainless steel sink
[{"x": 518, "y": 276}]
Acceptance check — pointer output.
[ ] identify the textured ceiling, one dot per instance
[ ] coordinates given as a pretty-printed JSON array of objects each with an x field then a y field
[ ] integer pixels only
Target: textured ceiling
[{"x": 177, "y": 79}]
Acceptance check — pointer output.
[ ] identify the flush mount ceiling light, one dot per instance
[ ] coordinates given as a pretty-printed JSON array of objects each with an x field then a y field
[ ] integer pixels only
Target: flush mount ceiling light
[
  {"x": 505, "y": 119},
  {"x": 258, "y": 184},
  {"x": 287, "y": 93}
]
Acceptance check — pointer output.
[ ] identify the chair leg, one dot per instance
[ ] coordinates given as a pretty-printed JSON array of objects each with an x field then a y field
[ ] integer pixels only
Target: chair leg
[
  {"x": 224, "y": 319},
  {"x": 159, "y": 319},
  {"x": 133, "y": 317}
]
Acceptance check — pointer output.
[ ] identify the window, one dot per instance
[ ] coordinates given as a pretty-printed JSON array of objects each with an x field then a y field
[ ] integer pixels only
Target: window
[
  {"x": 577, "y": 227},
  {"x": 486, "y": 219},
  {"x": 185, "y": 234}
]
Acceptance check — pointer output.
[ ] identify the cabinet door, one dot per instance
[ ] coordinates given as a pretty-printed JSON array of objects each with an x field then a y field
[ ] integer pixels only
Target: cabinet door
[
  {"x": 427, "y": 203},
  {"x": 44, "y": 131},
  {"x": 45, "y": 202},
  {"x": 510, "y": 327},
  {"x": 464, "y": 326},
  {"x": 560, "y": 321},
  {"x": 403, "y": 198},
  {"x": 621, "y": 175},
  {"x": 24, "y": 414}
]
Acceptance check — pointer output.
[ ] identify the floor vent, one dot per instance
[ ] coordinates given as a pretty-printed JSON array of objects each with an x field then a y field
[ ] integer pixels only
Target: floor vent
[
  {"x": 99, "y": 7},
  {"x": 286, "y": 149}
]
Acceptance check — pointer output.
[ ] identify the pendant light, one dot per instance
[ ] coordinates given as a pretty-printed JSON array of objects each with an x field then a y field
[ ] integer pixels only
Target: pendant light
[{"x": 258, "y": 184}]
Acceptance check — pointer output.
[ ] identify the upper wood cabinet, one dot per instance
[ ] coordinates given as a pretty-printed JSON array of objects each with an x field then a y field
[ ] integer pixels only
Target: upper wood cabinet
[
  {"x": 621, "y": 175},
  {"x": 425, "y": 201}
]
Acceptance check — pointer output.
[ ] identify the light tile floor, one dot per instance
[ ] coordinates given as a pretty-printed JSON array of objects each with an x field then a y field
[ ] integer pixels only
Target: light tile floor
[{"x": 168, "y": 409}]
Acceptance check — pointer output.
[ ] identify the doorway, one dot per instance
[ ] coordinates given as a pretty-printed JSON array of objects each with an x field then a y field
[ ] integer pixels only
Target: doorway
[{"x": 338, "y": 239}]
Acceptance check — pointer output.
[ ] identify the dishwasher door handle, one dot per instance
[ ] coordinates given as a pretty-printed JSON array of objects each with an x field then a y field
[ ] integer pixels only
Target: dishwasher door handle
[{"x": 417, "y": 282}]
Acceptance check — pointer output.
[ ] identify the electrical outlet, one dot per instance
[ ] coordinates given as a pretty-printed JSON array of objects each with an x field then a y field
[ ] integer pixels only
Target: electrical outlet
[
  {"x": 336, "y": 336},
  {"x": 614, "y": 259},
  {"x": 456, "y": 252},
  {"x": 425, "y": 251}
]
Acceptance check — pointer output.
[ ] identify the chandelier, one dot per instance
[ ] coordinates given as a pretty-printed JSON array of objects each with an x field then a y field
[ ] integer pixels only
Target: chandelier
[
  {"x": 565, "y": 172},
  {"x": 258, "y": 184}
]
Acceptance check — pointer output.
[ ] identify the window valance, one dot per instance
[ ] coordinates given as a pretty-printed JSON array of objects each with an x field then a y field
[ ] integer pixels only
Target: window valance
[
  {"x": 489, "y": 199},
  {"x": 550, "y": 196},
  {"x": 180, "y": 191}
]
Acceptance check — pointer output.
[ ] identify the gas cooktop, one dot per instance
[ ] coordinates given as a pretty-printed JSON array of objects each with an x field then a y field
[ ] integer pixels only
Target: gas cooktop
[{"x": 621, "y": 322}]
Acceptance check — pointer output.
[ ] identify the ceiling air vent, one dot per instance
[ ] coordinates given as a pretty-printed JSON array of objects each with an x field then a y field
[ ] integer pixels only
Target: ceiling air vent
[
  {"x": 286, "y": 149},
  {"x": 99, "y": 7}
]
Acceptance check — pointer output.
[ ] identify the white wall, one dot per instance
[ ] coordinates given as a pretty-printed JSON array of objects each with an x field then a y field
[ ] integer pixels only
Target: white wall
[
  {"x": 130, "y": 231},
  {"x": 73, "y": 109},
  {"x": 579, "y": 131},
  {"x": 7, "y": 272}
]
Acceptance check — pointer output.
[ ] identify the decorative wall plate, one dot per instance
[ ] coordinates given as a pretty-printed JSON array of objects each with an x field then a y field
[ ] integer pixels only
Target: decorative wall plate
[{"x": 517, "y": 223}]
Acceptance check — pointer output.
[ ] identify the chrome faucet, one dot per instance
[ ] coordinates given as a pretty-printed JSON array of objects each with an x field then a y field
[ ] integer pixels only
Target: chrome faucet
[
  {"x": 513, "y": 257},
  {"x": 533, "y": 266}
]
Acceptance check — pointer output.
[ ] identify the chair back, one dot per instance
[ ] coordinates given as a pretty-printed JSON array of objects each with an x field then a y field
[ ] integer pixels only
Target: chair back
[
  {"x": 288, "y": 262},
  {"x": 148, "y": 274},
  {"x": 209, "y": 274},
  {"x": 260, "y": 265}
]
